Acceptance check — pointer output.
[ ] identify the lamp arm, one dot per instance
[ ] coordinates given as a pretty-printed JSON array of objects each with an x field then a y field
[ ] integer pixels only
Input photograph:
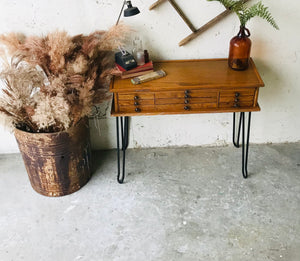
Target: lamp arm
[{"x": 121, "y": 12}]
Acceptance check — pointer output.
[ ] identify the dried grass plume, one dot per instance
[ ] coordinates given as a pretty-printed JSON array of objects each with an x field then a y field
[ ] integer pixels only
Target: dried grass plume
[{"x": 53, "y": 81}]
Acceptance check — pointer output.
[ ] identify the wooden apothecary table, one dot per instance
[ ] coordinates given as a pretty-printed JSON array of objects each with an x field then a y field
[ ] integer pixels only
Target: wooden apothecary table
[{"x": 191, "y": 86}]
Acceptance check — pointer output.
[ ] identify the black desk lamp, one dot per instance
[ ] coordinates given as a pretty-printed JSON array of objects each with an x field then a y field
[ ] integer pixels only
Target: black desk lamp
[
  {"x": 129, "y": 11},
  {"x": 123, "y": 58}
]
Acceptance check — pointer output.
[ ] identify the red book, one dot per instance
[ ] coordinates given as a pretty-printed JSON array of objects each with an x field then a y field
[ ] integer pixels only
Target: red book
[
  {"x": 144, "y": 67},
  {"x": 135, "y": 74}
]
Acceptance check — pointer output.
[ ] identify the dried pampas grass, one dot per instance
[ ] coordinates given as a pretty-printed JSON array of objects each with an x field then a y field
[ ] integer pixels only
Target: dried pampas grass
[
  {"x": 53, "y": 81},
  {"x": 52, "y": 114},
  {"x": 59, "y": 44},
  {"x": 12, "y": 41},
  {"x": 5, "y": 121}
]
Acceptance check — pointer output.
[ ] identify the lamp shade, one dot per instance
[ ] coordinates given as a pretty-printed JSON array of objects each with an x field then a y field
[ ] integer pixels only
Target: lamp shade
[{"x": 131, "y": 10}]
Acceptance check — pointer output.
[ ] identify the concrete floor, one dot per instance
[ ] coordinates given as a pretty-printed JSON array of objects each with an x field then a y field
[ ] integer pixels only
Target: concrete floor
[{"x": 177, "y": 204}]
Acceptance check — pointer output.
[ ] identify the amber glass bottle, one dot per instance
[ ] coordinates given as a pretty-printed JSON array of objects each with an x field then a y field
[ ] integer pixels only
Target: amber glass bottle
[{"x": 239, "y": 51}]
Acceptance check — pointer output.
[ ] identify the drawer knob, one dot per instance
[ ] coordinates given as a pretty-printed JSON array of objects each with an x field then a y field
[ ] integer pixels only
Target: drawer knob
[
  {"x": 186, "y": 102},
  {"x": 136, "y": 97},
  {"x": 187, "y": 108},
  {"x": 137, "y": 110},
  {"x": 186, "y": 92},
  {"x": 236, "y": 100},
  {"x": 236, "y": 105},
  {"x": 237, "y": 94},
  {"x": 136, "y": 103},
  {"x": 186, "y": 96}
]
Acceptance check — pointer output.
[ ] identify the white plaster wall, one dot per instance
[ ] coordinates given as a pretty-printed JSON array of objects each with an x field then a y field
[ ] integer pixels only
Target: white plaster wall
[{"x": 276, "y": 54}]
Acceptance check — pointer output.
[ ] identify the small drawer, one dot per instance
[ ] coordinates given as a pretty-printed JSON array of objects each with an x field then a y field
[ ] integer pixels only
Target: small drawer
[
  {"x": 237, "y": 98},
  {"x": 203, "y": 94},
  {"x": 170, "y": 95},
  {"x": 187, "y": 100},
  {"x": 186, "y": 94},
  {"x": 236, "y": 105},
  {"x": 237, "y": 93},
  {"x": 135, "y": 96},
  {"x": 135, "y": 102},
  {"x": 137, "y": 109},
  {"x": 183, "y": 108}
]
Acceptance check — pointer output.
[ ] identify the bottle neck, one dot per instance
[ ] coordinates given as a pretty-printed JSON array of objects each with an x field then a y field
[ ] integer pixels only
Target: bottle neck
[{"x": 244, "y": 32}]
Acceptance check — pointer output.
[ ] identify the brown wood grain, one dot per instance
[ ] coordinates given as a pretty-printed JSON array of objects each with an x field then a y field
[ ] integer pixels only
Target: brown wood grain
[
  {"x": 138, "y": 95},
  {"x": 242, "y": 104},
  {"x": 241, "y": 92},
  {"x": 194, "y": 74},
  {"x": 182, "y": 94},
  {"x": 191, "y": 86},
  {"x": 241, "y": 99},
  {"x": 132, "y": 102},
  {"x": 150, "y": 112},
  {"x": 189, "y": 101},
  {"x": 131, "y": 109},
  {"x": 256, "y": 96}
]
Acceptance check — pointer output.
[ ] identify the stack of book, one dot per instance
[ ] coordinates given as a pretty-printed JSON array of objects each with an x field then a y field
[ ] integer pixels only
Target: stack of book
[{"x": 137, "y": 71}]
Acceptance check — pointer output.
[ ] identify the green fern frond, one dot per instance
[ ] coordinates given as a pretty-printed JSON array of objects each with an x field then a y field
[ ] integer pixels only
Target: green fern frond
[
  {"x": 245, "y": 14},
  {"x": 261, "y": 11}
]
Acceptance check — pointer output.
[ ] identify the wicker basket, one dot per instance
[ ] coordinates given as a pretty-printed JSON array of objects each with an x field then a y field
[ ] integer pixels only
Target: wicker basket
[{"x": 59, "y": 163}]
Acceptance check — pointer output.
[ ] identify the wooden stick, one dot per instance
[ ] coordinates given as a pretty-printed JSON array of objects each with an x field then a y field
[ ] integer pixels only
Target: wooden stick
[
  {"x": 205, "y": 27},
  {"x": 156, "y": 4},
  {"x": 183, "y": 16},
  {"x": 196, "y": 32},
  {"x": 178, "y": 10}
]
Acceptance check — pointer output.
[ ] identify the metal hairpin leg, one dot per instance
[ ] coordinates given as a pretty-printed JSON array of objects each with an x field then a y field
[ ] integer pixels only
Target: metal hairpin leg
[
  {"x": 236, "y": 139},
  {"x": 124, "y": 140}
]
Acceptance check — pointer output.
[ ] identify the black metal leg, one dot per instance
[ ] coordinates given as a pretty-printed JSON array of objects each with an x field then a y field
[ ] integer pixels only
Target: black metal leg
[
  {"x": 236, "y": 138},
  {"x": 124, "y": 140},
  {"x": 126, "y": 126},
  {"x": 245, "y": 146}
]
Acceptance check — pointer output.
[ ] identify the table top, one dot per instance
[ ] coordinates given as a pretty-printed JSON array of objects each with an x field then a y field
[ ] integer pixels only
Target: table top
[{"x": 206, "y": 73}]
